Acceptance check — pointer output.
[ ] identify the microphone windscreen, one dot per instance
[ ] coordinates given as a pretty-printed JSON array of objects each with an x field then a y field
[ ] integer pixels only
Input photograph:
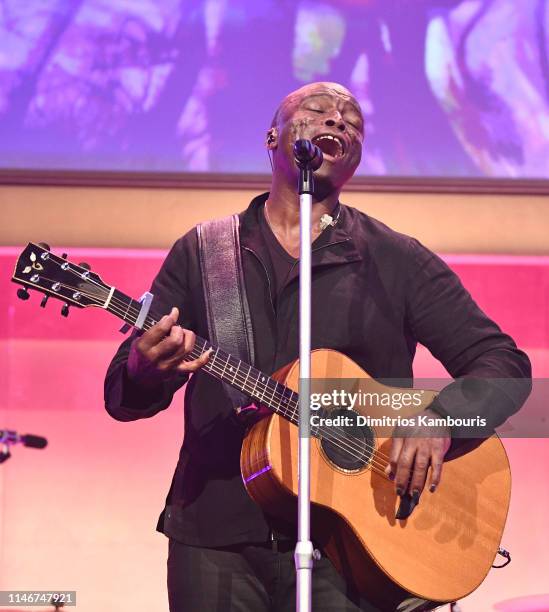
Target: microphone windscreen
[
  {"x": 307, "y": 154},
  {"x": 34, "y": 441}
]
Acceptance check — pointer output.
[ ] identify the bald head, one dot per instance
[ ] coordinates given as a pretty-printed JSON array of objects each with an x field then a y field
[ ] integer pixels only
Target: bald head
[
  {"x": 293, "y": 99},
  {"x": 325, "y": 111}
]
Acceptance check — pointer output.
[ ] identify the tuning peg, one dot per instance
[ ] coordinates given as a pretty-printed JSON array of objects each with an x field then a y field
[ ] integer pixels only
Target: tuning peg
[
  {"x": 44, "y": 245},
  {"x": 23, "y": 293},
  {"x": 65, "y": 310},
  {"x": 85, "y": 265},
  {"x": 44, "y": 301}
]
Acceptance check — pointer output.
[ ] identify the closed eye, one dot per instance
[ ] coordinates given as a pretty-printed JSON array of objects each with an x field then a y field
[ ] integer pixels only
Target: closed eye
[{"x": 357, "y": 125}]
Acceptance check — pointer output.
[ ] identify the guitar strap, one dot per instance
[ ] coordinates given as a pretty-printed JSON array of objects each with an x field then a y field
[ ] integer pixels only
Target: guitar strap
[{"x": 227, "y": 309}]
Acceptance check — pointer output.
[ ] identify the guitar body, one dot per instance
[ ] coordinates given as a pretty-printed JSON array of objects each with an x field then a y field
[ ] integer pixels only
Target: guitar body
[{"x": 442, "y": 552}]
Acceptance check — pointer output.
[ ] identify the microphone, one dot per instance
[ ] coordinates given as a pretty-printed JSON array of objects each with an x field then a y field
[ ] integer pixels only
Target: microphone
[
  {"x": 307, "y": 155},
  {"x": 28, "y": 440}
]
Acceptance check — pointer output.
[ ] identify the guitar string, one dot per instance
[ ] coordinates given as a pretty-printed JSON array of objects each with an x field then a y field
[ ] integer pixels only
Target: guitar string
[
  {"x": 321, "y": 432},
  {"x": 349, "y": 447},
  {"x": 375, "y": 462}
]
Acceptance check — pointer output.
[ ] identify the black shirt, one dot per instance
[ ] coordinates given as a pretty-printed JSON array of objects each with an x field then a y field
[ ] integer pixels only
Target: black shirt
[{"x": 281, "y": 263}]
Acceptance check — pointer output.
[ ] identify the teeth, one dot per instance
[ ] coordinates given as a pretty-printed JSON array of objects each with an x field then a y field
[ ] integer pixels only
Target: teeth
[{"x": 330, "y": 137}]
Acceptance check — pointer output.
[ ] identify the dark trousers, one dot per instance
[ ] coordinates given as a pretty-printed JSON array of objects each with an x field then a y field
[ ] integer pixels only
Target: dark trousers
[{"x": 251, "y": 578}]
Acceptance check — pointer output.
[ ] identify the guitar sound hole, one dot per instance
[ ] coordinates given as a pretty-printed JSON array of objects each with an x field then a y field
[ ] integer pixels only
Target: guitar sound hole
[{"x": 348, "y": 446}]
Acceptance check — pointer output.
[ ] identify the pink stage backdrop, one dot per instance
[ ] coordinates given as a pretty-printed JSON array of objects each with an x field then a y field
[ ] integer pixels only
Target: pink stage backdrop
[{"x": 80, "y": 515}]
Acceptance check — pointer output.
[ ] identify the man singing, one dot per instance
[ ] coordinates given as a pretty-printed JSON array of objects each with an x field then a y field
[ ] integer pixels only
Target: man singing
[{"x": 375, "y": 294}]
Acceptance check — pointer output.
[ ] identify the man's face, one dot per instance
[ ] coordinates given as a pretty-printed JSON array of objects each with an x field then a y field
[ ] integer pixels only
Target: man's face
[{"x": 329, "y": 116}]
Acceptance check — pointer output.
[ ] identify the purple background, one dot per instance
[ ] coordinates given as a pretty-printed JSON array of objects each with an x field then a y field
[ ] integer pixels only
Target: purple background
[{"x": 448, "y": 88}]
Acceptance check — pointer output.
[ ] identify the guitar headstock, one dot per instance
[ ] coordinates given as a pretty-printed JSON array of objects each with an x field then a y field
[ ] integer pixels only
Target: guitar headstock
[{"x": 37, "y": 268}]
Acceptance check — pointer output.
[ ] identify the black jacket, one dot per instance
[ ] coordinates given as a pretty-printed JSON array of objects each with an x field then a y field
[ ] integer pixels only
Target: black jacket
[{"x": 375, "y": 294}]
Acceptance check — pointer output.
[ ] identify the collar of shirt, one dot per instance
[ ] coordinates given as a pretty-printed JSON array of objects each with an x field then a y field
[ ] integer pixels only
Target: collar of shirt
[{"x": 334, "y": 246}]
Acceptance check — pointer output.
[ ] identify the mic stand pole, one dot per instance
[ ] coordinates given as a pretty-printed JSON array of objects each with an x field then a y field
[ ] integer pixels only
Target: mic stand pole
[{"x": 304, "y": 552}]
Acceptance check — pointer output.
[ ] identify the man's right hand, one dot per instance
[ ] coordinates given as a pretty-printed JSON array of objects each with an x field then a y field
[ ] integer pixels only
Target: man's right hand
[{"x": 160, "y": 352}]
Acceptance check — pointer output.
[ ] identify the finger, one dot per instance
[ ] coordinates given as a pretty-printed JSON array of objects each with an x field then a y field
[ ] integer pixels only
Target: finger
[
  {"x": 170, "y": 351},
  {"x": 419, "y": 475},
  {"x": 189, "y": 340},
  {"x": 436, "y": 470},
  {"x": 396, "y": 447},
  {"x": 195, "y": 364},
  {"x": 174, "y": 348},
  {"x": 159, "y": 331},
  {"x": 404, "y": 467}
]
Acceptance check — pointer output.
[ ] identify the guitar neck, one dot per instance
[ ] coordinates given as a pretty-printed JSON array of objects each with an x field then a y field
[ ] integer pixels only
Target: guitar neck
[
  {"x": 221, "y": 365},
  {"x": 38, "y": 268}
]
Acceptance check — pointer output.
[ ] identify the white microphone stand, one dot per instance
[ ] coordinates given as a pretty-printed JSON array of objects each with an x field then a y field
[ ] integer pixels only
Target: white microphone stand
[{"x": 304, "y": 552}]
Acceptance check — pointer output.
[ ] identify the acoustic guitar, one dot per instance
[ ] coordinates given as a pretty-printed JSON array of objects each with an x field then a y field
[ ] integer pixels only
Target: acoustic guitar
[{"x": 441, "y": 551}]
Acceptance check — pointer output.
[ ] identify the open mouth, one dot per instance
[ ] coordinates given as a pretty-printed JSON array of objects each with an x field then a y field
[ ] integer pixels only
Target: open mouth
[{"x": 329, "y": 145}]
